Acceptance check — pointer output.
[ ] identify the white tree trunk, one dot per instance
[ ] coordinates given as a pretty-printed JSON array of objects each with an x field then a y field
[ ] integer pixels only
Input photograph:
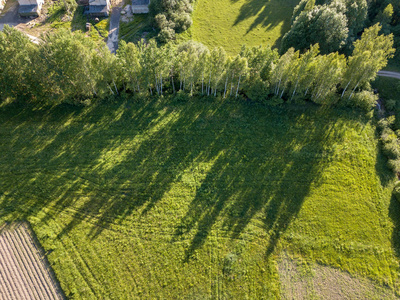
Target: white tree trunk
[
  {"x": 237, "y": 90},
  {"x": 226, "y": 83},
  {"x": 116, "y": 90},
  {"x": 110, "y": 89},
  {"x": 345, "y": 88}
]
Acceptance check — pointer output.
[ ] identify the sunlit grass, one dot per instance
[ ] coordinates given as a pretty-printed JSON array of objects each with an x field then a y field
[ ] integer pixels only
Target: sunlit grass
[
  {"x": 232, "y": 23},
  {"x": 134, "y": 30},
  {"x": 197, "y": 200}
]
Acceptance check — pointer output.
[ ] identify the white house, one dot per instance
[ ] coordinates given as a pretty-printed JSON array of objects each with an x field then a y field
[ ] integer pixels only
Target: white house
[
  {"x": 2, "y": 3},
  {"x": 140, "y": 6},
  {"x": 30, "y": 7},
  {"x": 98, "y": 8}
]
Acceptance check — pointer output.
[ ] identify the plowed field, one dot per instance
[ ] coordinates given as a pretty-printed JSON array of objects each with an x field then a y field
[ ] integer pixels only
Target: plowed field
[{"x": 24, "y": 273}]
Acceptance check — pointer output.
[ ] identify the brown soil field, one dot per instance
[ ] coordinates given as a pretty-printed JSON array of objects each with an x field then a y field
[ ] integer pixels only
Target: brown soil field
[
  {"x": 300, "y": 280},
  {"x": 24, "y": 271}
]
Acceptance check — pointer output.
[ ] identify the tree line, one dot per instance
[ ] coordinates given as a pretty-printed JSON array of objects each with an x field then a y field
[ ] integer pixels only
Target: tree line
[{"x": 67, "y": 66}]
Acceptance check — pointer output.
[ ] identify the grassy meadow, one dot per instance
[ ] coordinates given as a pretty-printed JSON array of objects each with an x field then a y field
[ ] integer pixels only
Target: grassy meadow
[
  {"x": 232, "y": 23},
  {"x": 197, "y": 200}
]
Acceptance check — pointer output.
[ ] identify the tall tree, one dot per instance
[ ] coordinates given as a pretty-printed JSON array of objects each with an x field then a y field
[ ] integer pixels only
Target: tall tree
[
  {"x": 370, "y": 55},
  {"x": 15, "y": 63},
  {"x": 324, "y": 25}
]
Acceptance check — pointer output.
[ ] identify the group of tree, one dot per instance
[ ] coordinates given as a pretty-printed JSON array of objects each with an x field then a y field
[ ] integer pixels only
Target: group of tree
[
  {"x": 67, "y": 66},
  {"x": 336, "y": 24},
  {"x": 170, "y": 17}
]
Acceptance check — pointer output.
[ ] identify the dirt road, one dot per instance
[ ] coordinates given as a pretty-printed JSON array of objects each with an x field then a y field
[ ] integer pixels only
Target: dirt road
[
  {"x": 112, "y": 41},
  {"x": 389, "y": 74}
]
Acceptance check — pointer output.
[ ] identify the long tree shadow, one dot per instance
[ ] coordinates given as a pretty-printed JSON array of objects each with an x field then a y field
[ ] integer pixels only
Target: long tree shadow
[
  {"x": 266, "y": 177},
  {"x": 394, "y": 214},
  {"x": 105, "y": 165},
  {"x": 268, "y": 14}
]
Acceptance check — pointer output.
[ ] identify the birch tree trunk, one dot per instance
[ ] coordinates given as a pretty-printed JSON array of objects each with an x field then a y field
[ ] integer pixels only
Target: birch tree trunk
[{"x": 237, "y": 90}]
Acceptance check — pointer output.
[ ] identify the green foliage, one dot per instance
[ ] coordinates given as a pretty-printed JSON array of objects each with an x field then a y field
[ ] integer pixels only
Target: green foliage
[
  {"x": 170, "y": 16},
  {"x": 370, "y": 55},
  {"x": 364, "y": 100},
  {"x": 73, "y": 69},
  {"x": 304, "y": 5},
  {"x": 390, "y": 104},
  {"x": 16, "y": 72},
  {"x": 325, "y": 25},
  {"x": 396, "y": 190},
  {"x": 258, "y": 90},
  {"x": 334, "y": 24}
]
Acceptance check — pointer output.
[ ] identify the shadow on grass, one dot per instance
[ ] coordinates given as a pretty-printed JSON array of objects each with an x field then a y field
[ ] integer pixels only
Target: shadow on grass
[
  {"x": 104, "y": 163},
  {"x": 394, "y": 214},
  {"x": 265, "y": 175},
  {"x": 269, "y": 14}
]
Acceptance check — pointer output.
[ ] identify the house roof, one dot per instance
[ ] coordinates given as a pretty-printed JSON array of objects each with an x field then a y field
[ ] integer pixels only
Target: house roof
[
  {"x": 28, "y": 9},
  {"x": 140, "y": 2}
]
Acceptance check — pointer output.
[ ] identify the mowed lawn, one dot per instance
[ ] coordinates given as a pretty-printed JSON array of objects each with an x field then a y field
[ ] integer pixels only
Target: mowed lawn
[
  {"x": 197, "y": 200},
  {"x": 232, "y": 23}
]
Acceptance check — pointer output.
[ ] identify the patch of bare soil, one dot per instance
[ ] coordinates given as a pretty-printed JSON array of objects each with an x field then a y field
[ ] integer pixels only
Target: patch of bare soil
[
  {"x": 24, "y": 272},
  {"x": 304, "y": 281}
]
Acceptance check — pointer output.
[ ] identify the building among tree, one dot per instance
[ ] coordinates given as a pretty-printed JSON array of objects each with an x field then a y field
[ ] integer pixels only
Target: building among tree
[
  {"x": 97, "y": 8},
  {"x": 30, "y": 7},
  {"x": 140, "y": 6}
]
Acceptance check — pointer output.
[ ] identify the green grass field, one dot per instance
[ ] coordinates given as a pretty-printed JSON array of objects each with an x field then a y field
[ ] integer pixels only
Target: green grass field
[
  {"x": 232, "y": 23},
  {"x": 197, "y": 200}
]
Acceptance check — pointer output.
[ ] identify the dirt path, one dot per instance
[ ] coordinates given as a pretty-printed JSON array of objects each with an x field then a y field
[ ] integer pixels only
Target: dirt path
[
  {"x": 389, "y": 74},
  {"x": 112, "y": 41}
]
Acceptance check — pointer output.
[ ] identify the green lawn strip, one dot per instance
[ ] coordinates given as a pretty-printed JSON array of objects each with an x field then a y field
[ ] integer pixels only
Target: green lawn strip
[
  {"x": 231, "y": 24},
  {"x": 133, "y": 31},
  {"x": 393, "y": 65},
  {"x": 197, "y": 200}
]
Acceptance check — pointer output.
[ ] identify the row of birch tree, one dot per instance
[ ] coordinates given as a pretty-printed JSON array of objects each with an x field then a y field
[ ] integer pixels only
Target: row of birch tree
[{"x": 68, "y": 66}]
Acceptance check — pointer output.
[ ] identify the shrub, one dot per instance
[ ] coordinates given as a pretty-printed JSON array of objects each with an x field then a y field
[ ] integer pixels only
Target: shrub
[
  {"x": 396, "y": 190},
  {"x": 391, "y": 150},
  {"x": 274, "y": 101},
  {"x": 390, "y": 104},
  {"x": 394, "y": 165},
  {"x": 388, "y": 136},
  {"x": 366, "y": 100},
  {"x": 166, "y": 34},
  {"x": 170, "y": 16},
  {"x": 181, "y": 96},
  {"x": 257, "y": 90},
  {"x": 386, "y": 122}
]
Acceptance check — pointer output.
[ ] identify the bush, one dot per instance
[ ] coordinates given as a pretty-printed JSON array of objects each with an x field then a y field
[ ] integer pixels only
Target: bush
[
  {"x": 386, "y": 123},
  {"x": 390, "y": 104},
  {"x": 388, "y": 136},
  {"x": 396, "y": 190},
  {"x": 166, "y": 34},
  {"x": 257, "y": 91},
  {"x": 181, "y": 96},
  {"x": 391, "y": 150},
  {"x": 366, "y": 100},
  {"x": 394, "y": 165},
  {"x": 170, "y": 16},
  {"x": 274, "y": 101}
]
